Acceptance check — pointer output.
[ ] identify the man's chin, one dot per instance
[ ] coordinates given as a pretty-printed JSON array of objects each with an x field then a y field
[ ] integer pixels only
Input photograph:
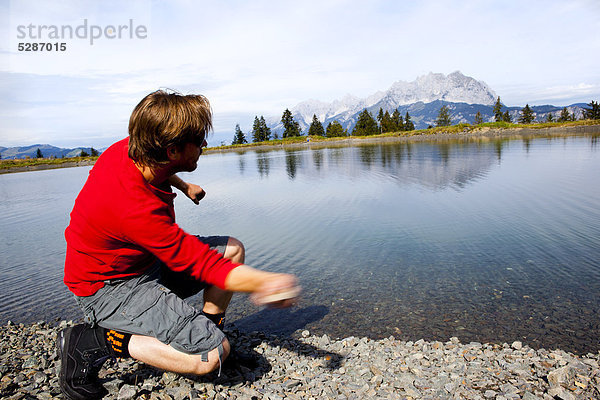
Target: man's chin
[
  {"x": 192, "y": 168},
  {"x": 189, "y": 168}
]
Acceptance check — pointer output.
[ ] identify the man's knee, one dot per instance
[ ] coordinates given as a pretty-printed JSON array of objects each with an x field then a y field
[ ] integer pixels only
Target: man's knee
[
  {"x": 215, "y": 359},
  {"x": 235, "y": 250}
]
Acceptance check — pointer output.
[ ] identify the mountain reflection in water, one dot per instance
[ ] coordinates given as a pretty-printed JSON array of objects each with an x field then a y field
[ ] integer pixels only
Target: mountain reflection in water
[{"x": 432, "y": 165}]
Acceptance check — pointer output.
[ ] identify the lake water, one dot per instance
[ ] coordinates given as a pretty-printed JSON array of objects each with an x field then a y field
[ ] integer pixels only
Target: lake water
[{"x": 487, "y": 240}]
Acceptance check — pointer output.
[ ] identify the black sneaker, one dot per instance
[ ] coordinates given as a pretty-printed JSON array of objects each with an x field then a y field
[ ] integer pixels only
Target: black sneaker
[{"x": 82, "y": 351}]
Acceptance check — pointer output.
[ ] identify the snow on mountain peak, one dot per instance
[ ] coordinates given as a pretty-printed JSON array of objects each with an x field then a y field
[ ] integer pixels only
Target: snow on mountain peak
[{"x": 454, "y": 87}]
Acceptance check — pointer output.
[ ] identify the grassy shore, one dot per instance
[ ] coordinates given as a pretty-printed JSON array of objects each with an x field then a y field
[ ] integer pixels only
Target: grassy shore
[
  {"x": 34, "y": 164},
  {"x": 490, "y": 129},
  {"x": 467, "y": 131}
]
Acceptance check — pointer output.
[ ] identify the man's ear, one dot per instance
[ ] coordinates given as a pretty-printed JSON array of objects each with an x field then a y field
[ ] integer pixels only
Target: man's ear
[{"x": 173, "y": 153}]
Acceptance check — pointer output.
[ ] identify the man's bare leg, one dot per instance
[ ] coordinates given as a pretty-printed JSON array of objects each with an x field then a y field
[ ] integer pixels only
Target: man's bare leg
[
  {"x": 216, "y": 300},
  {"x": 151, "y": 351}
]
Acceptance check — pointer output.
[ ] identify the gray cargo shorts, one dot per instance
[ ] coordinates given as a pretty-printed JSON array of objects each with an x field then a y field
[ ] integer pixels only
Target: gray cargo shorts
[{"x": 153, "y": 304}]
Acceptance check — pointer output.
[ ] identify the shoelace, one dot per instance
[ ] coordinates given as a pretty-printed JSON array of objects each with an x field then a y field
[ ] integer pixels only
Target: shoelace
[{"x": 95, "y": 359}]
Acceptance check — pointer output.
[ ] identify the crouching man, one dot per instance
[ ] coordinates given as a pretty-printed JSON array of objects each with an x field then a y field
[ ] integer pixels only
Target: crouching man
[{"x": 130, "y": 265}]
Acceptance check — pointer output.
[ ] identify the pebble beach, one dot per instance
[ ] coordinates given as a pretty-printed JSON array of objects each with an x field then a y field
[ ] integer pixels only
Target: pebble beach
[{"x": 305, "y": 366}]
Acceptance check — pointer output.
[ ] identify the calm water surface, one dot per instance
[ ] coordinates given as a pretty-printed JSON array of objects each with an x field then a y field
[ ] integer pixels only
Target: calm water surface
[{"x": 485, "y": 240}]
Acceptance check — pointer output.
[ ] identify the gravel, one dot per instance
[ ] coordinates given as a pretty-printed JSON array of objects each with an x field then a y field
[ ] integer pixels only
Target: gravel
[{"x": 306, "y": 366}]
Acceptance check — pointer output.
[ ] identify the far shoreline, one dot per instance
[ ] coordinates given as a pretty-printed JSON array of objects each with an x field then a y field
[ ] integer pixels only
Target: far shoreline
[
  {"x": 42, "y": 167},
  {"x": 438, "y": 135}
]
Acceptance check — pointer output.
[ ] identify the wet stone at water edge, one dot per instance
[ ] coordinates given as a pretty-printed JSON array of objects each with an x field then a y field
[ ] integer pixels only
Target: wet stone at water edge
[{"x": 318, "y": 367}]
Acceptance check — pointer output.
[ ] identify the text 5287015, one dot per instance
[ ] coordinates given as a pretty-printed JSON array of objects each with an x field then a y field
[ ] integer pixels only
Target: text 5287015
[{"x": 42, "y": 46}]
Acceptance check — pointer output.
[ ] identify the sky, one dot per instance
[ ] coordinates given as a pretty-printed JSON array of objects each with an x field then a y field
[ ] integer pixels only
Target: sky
[{"x": 260, "y": 57}]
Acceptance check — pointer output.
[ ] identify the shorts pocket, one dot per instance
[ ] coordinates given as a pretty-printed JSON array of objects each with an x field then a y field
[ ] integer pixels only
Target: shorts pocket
[
  {"x": 136, "y": 306},
  {"x": 89, "y": 317}
]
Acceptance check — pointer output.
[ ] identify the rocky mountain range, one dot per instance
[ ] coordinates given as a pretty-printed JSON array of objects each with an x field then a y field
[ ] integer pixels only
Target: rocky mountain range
[
  {"x": 421, "y": 98},
  {"x": 48, "y": 151}
]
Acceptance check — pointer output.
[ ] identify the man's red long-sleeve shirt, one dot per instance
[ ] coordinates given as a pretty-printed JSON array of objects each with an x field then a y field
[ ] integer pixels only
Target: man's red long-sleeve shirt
[{"x": 120, "y": 225}]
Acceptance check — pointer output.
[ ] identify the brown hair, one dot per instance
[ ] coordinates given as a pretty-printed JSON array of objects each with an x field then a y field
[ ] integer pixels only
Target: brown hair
[{"x": 164, "y": 119}]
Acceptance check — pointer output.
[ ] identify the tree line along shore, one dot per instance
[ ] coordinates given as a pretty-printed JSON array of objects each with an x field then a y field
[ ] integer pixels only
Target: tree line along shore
[
  {"x": 442, "y": 132},
  {"x": 367, "y": 125}
]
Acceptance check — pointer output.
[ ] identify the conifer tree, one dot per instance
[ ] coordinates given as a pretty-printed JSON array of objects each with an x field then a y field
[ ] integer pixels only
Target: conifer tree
[
  {"x": 291, "y": 128},
  {"x": 239, "y": 137},
  {"x": 264, "y": 129},
  {"x": 387, "y": 124},
  {"x": 549, "y": 117},
  {"x": 506, "y": 117},
  {"x": 380, "y": 116},
  {"x": 335, "y": 129},
  {"x": 564, "y": 115},
  {"x": 593, "y": 112},
  {"x": 397, "y": 121},
  {"x": 256, "y": 131},
  {"x": 478, "y": 118},
  {"x": 366, "y": 125},
  {"x": 527, "y": 115},
  {"x": 39, "y": 154},
  {"x": 94, "y": 152},
  {"x": 498, "y": 116},
  {"x": 316, "y": 127},
  {"x": 443, "y": 118},
  {"x": 408, "y": 124}
]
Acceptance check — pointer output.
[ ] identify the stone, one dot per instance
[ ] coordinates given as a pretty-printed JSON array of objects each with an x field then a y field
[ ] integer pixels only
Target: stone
[
  {"x": 169, "y": 377},
  {"x": 127, "y": 392},
  {"x": 179, "y": 392},
  {"x": 324, "y": 341},
  {"x": 517, "y": 345},
  {"x": 561, "y": 376},
  {"x": 291, "y": 383},
  {"x": 39, "y": 378},
  {"x": 507, "y": 388},
  {"x": 561, "y": 393},
  {"x": 31, "y": 362},
  {"x": 412, "y": 391},
  {"x": 113, "y": 385}
]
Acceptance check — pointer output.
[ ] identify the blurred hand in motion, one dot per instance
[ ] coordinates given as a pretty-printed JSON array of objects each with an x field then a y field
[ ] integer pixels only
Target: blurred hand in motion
[{"x": 277, "y": 291}]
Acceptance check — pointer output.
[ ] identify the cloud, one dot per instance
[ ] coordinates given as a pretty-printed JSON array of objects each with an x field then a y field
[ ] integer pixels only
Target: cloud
[{"x": 556, "y": 95}]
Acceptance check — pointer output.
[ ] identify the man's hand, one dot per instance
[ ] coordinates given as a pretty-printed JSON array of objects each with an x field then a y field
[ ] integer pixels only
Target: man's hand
[
  {"x": 278, "y": 291},
  {"x": 267, "y": 288},
  {"x": 195, "y": 193}
]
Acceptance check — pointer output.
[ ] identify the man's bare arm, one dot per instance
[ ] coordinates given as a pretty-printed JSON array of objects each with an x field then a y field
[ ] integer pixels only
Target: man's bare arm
[{"x": 274, "y": 289}]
